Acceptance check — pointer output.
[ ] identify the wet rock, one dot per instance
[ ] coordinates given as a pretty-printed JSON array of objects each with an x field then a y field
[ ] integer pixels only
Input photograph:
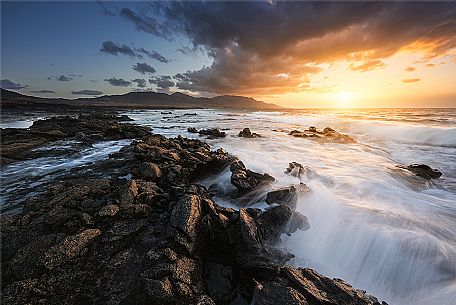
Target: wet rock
[
  {"x": 318, "y": 289},
  {"x": 298, "y": 170},
  {"x": 246, "y": 133},
  {"x": 19, "y": 144},
  {"x": 246, "y": 180},
  {"x": 157, "y": 291},
  {"x": 327, "y": 135},
  {"x": 218, "y": 282},
  {"x": 272, "y": 293},
  {"x": 192, "y": 130},
  {"x": 158, "y": 239},
  {"x": 186, "y": 214},
  {"x": 297, "y": 221},
  {"x": 273, "y": 222},
  {"x": 287, "y": 195},
  {"x": 424, "y": 171},
  {"x": 212, "y": 133}
]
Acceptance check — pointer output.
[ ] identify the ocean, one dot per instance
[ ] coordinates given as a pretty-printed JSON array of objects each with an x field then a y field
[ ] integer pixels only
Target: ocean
[{"x": 372, "y": 224}]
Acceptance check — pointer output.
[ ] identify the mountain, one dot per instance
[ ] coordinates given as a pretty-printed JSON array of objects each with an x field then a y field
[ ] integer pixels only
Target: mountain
[{"x": 145, "y": 100}]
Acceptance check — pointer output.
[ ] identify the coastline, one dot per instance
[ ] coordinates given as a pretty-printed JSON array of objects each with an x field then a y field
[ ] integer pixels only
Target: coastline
[{"x": 137, "y": 228}]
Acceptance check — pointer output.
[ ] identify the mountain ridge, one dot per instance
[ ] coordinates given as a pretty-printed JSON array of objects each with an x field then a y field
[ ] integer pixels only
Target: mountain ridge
[{"x": 146, "y": 99}]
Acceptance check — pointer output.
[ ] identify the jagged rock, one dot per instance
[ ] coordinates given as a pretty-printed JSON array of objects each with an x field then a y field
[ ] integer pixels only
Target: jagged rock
[
  {"x": 136, "y": 241},
  {"x": 318, "y": 289},
  {"x": 246, "y": 133},
  {"x": 128, "y": 193},
  {"x": 212, "y": 133},
  {"x": 424, "y": 171},
  {"x": 186, "y": 214},
  {"x": 287, "y": 195},
  {"x": 218, "y": 282},
  {"x": 246, "y": 180},
  {"x": 273, "y": 222},
  {"x": 192, "y": 130},
  {"x": 272, "y": 293},
  {"x": 19, "y": 144},
  {"x": 296, "y": 169},
  {"x": 108, "y": 210},
  {"x": 157, "y": 291},
  {"x": 327, "y": 135},
  {"x": 150, "y": 170},
  {"x": 68, "y": 248}
]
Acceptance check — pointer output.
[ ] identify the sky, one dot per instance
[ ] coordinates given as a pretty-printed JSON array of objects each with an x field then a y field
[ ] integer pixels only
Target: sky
[{"x": 294, "y": 54}]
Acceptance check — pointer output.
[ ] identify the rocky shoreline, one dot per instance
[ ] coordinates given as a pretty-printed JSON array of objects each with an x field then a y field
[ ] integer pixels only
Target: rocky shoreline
[{"x": 139, "y": 229}]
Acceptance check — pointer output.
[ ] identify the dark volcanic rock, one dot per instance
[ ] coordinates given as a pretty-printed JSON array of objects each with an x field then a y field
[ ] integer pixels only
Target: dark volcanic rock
[
  {"x": 287, "y": 195},
  {"x": 246, "y": 133},
  {"x": 18, "y": 144},
  {"x": 424, "y": 171},
  {"x": 138, "y": 241},
  {"x": 296, "y": 169},
  {"x": 327, "y": 135},
  {"x": 247, "y": 181},
  {"x": 192, "y": 130},
  {"x": 212, "y": 133}
]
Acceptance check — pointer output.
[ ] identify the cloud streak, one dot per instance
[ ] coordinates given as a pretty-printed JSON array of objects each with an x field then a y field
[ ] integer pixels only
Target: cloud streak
[
  {"x": 144, "y": 68},
  {"x": 410, "y": 80},
  {"x": 42, "y": 91},
  {"x": 112, "y": 48},
  {"x": 118, "y": 82},
  {"x": 62, "y": 78},
  {"x": 367, "y": 66},
  {"x": 87, "y": 92}
]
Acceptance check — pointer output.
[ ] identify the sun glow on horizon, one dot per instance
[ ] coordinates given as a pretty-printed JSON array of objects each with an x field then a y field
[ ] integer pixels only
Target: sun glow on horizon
[{"x": 344, "y": 99}]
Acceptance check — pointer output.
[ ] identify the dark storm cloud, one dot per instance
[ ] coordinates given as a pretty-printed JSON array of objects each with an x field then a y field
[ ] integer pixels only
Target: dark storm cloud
[
  {"x": 61, "y": 78},
  {"x": 273, "y": 48},
  {"x": 141, "y": 82},
  {"x": 118, "y": 82},
  {"x": 153, "y": 55},
  {"x": 145, "y": 23},
  {"x": 110, "y": 47},
  {"x": 105, "y": 10},
  {"x": 7, "y": 84},
  {"x": 42, "y": 91},
  {"x": 163, "y": 83},
  {"x": 87, "y": 92},
  {"x": 143, "y": 68}
]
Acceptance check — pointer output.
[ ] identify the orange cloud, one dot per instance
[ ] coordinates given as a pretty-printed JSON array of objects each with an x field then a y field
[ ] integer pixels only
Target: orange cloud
[
  {"x": 410, "y": 80},
  {"x": 367, "y": 66},
  {"x": 410, "y": 69}
]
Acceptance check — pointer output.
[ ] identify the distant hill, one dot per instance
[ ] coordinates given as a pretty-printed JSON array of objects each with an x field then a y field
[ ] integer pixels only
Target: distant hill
[{"x": 143, "y": 100}]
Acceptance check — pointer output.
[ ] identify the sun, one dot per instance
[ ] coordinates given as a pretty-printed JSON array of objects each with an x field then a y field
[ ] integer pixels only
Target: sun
[{"x": 344, "y": 99}]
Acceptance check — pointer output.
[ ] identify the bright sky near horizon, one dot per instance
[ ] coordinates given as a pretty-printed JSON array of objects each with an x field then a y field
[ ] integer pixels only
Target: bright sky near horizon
[{"x": 294, "y": 54}]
